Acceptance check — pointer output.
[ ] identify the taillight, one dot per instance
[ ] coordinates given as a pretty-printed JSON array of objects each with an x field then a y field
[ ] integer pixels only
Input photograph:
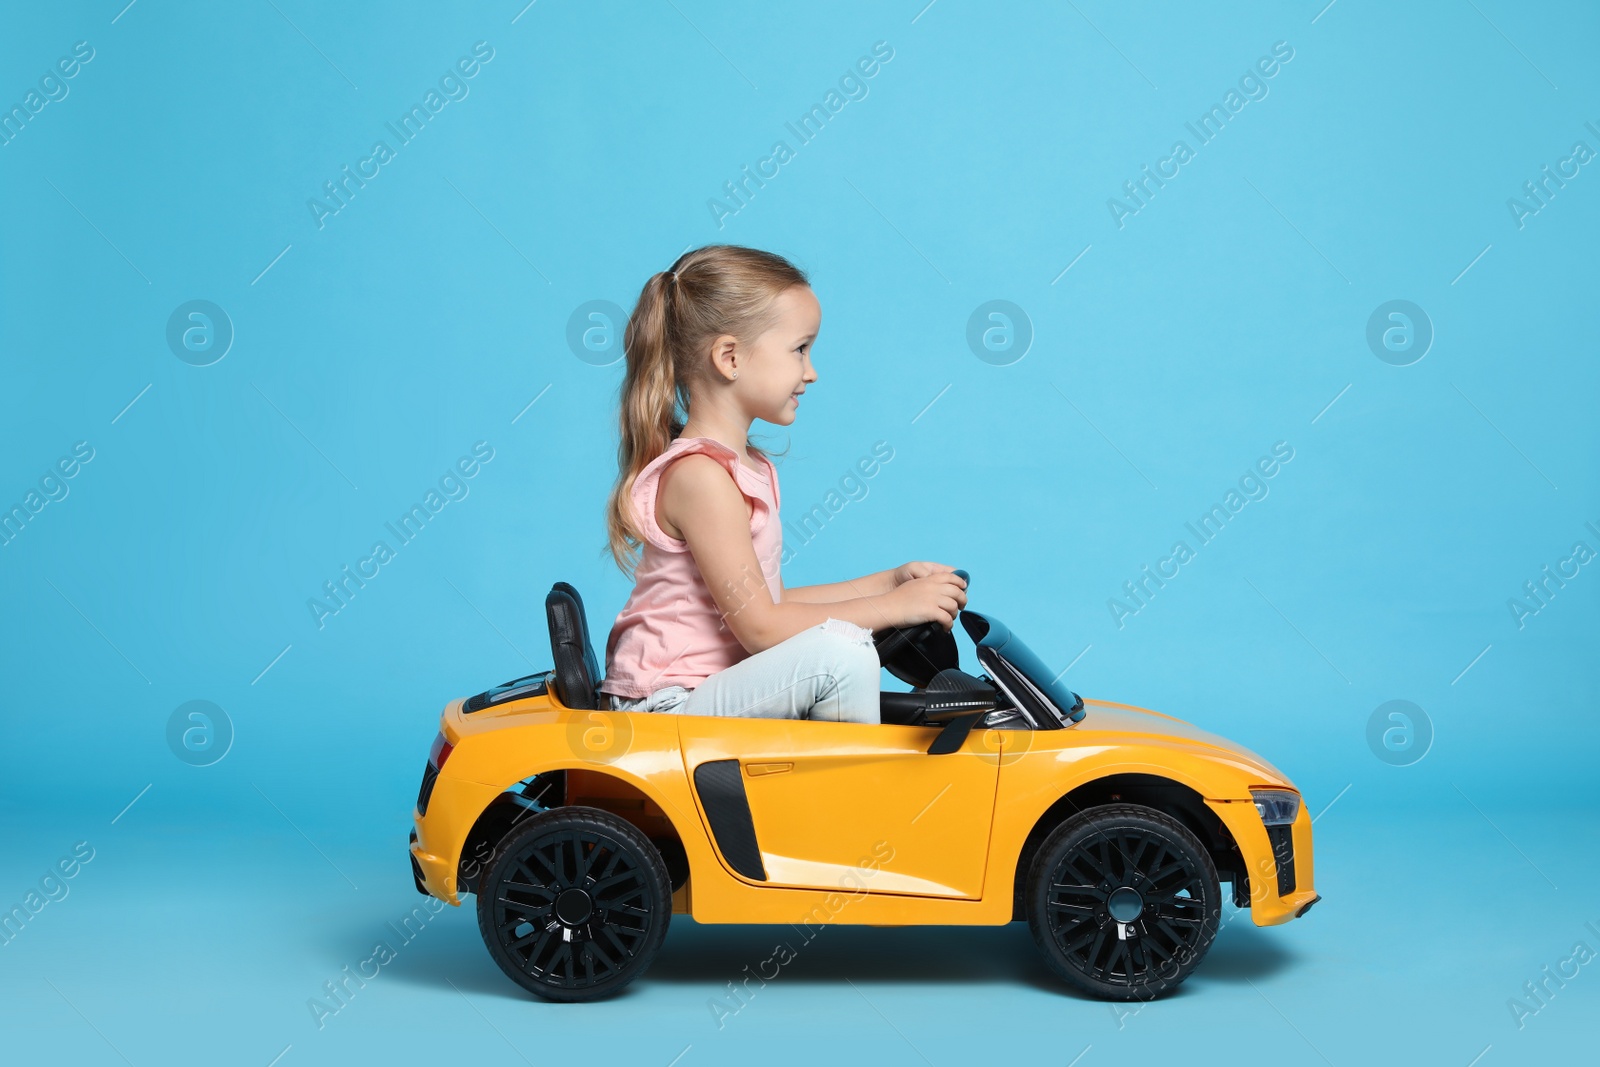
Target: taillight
[
  {"x": 436, "y": 756},
  {"x": 440, "y": 752}
]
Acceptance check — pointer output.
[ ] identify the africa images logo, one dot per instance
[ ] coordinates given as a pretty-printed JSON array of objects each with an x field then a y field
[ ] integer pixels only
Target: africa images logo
[
  {"x": 453, "y": 485},
  {"x": 1252, "y": 486},
  {"x": 1205, "y": 129},
  {"x": 452, "y": 87},
  {"x": 852, "y": 86}
]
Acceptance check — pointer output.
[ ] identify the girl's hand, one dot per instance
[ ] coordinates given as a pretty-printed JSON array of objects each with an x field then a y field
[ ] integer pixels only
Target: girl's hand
[
  {"x": 908, "y": 571},
  {"x": 935, "y": 597}
]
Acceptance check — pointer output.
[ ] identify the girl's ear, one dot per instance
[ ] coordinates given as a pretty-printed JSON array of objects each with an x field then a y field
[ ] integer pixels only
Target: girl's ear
[{"x": 726, "y": 357}]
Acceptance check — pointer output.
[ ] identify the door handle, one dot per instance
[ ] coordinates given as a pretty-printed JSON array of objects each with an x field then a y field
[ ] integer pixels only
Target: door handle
[{"x": 756, "y": 770}]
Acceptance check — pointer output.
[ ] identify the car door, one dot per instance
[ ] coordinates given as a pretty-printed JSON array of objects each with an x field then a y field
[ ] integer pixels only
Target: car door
[{"x": 825, "y": 805}]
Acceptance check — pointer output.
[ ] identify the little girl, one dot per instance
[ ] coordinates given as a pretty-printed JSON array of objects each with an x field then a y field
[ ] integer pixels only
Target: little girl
[{"x": 722, "y": 339}]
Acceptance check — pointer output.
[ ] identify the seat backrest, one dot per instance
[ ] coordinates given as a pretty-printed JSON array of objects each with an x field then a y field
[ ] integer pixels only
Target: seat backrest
[{"x": 577, "y": 677}]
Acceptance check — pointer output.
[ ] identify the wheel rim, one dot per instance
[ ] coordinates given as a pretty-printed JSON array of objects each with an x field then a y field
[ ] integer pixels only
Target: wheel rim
[
  {"x": 1128, "y": 907},
  {"x": 573, "y": 909}
]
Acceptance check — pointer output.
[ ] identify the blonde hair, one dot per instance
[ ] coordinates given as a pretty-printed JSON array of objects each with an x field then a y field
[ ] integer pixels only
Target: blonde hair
[{"x": 711, "y": 291}]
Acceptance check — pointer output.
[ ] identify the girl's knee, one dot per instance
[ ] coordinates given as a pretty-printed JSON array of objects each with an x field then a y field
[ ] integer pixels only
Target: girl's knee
[
  {"x": 848, "y": 648},
  {"x": 852, "y": 661},
  {"x": 848, "y": 632}
]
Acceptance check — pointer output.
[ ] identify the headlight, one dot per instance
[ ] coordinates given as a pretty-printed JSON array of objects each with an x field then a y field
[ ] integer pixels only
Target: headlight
[{"x": 1277, "y": 807}]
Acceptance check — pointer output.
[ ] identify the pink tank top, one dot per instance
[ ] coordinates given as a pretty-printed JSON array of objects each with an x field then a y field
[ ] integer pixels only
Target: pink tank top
[{"x": 670, "y": 632}]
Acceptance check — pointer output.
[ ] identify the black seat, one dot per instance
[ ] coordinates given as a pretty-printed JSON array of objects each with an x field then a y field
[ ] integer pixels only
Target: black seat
[{"x": 577, "y": 675}]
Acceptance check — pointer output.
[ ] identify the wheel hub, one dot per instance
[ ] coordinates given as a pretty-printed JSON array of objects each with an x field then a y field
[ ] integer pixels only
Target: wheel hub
[
  {"x": 574, "y": 907},
  {"x": 1125, "y": 904}
]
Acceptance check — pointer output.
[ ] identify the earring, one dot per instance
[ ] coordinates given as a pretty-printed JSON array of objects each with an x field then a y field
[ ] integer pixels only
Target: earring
[{"x": 735, "y": 374}]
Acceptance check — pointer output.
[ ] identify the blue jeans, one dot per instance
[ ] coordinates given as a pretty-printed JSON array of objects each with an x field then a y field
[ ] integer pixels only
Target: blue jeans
[{"x": 828, "y": 672}]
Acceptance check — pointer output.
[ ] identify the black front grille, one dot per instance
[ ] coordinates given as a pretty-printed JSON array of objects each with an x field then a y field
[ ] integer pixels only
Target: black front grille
[
  {"x": 1282, "y": 838},
  {"x": 430, "y": 774}
]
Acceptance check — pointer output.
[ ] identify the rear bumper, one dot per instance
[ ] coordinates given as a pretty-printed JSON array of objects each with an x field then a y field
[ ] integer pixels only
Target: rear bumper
[
  {"x": 437, "y": 837},
  {"x": 1272, "y": 870},
  {"x": 432, "y": 874},
  {"x": 416, "y": 868}
]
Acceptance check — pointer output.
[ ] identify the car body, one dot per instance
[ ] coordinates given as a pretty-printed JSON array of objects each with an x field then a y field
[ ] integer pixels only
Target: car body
[{"x": 812, "y": 823}]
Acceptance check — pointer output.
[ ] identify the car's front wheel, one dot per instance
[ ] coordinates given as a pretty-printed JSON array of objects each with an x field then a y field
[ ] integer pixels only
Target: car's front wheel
[
  {"x": 574, "y": 904},
  {"x": 1123, "y": 901}
]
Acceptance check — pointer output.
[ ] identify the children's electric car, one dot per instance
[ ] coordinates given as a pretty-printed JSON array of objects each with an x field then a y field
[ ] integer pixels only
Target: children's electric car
[{"x": 977, "y": 801}]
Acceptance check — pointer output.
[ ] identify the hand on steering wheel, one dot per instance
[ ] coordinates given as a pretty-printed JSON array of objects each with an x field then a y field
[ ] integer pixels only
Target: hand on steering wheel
[
  {"x": 934, "y": 598},
  {"x": 915, "y": 653},
  {"x": 920, "y": 569}
]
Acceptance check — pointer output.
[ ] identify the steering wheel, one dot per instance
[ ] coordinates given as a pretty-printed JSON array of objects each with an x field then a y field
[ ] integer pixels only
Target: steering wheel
[{"x": 914, "y": 654}]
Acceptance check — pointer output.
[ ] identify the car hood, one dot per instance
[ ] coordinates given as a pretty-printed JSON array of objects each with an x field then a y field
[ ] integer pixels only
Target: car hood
[{"x": 1106, "y": 717}]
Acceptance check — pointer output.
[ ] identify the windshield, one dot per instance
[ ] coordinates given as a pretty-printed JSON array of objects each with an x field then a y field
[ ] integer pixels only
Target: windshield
[{"x": 992, "y": 634}]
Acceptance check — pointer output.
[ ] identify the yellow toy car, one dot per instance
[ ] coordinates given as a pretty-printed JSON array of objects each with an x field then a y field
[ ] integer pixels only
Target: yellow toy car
[{"x": 977, "y": 801}]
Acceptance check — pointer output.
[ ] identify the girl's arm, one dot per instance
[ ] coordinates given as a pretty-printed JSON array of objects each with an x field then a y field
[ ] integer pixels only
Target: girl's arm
[
  {"x": 870, "y": 585},
  {"x": 699, "y": 498}
]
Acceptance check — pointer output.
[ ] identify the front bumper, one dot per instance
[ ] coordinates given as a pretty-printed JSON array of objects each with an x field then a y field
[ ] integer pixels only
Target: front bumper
[{"x": 1279, "y": 872}]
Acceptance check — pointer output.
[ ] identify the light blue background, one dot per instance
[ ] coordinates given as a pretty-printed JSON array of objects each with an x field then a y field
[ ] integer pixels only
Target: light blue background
[{"x": 426, "y": 315}]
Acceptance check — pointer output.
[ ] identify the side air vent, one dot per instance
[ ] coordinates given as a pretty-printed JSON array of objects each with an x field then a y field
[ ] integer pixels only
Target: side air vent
[{"x": 721, "y": 789}]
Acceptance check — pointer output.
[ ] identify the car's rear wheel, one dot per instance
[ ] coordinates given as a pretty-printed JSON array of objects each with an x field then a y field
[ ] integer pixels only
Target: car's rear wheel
[
  {"x": 1123, "y": 901},
  {"x": 574, "y": 904}
]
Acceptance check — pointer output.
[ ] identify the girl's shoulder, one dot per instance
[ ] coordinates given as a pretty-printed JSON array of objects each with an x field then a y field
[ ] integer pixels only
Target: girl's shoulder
[
  {"x": 730, "y": 459},
  {"x": 756, "y": 486}
]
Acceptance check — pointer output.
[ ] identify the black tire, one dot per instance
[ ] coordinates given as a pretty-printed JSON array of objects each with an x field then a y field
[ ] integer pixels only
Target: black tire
[
  {"x": 574, "y": 904},
  {"x": 1123, "y": 901}
]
